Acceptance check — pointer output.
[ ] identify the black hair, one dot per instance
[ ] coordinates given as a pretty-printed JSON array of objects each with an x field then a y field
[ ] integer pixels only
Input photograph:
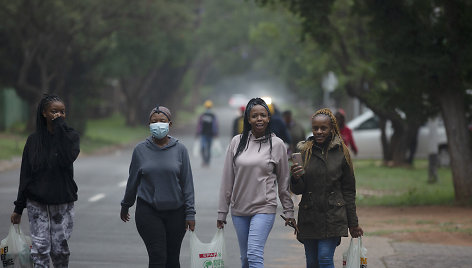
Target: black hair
[
  {"x": 40, "y": 145},
  {"x": 243, "y": 143}
]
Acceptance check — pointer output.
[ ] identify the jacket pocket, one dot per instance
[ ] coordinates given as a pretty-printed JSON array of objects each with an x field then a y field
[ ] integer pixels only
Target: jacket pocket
[
  {"x": 337, "y": 210},
  {"x": 306, "y": 212}
]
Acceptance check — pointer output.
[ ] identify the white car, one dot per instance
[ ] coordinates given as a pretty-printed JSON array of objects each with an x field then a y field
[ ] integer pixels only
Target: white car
[
  {"x": 366, "y": 132},
  {"x": 238, "y": 100}
]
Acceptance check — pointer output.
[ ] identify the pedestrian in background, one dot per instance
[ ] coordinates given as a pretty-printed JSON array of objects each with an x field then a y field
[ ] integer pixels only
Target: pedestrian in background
[
  {"x": 433, "y": 150},
  {"x": 278, "y": 126},
  {"x": 297, "y": 132},
  {"x": 47, "y": 187},
  {"x": 207, "y": 129},
  {"x": 238, "y": 122},
  {"x": 345, "y": 131},
  {"x": 255, "y": 169},
  {"x": 328, "y": 188},
  {"x": 161, "y": 177}
]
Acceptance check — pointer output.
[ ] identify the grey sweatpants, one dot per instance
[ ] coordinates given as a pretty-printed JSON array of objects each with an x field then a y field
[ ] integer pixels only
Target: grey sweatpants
[{"x": 51, "y": 227}]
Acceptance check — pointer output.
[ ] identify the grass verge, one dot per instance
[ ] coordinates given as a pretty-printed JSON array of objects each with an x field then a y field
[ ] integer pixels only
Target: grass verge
[
  {"x": 99, "y": 133},
  {"x": 110, "y": 131},
  {"x": 379, "y": 185}
]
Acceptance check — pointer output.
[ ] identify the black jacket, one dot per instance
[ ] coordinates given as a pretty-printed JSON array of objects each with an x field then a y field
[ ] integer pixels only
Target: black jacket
[
  {"x": 328, "y": 190},
  {"x": 53, "y": 183}
]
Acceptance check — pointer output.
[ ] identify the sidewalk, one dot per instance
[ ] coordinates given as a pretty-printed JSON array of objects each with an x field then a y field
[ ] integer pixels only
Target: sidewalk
[
  {"x": 385, "y": 253},
  {"x": 416, "y": 255}
]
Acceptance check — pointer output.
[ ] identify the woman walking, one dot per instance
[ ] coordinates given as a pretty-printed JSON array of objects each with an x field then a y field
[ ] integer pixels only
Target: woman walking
[
  {"x": 161, "y": 177},
  {"x": 255, "y": 168},
  {"x": 47, "y": 187},
  {"x": 328, "y": 189}
]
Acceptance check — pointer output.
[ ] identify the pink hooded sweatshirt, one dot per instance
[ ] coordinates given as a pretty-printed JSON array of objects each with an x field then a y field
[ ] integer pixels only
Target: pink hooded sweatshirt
[{"x": 249, "y": 185}]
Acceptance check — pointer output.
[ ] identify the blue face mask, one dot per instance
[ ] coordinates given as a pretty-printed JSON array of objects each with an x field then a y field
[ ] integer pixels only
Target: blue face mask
[{"x": 159, "y": 130}]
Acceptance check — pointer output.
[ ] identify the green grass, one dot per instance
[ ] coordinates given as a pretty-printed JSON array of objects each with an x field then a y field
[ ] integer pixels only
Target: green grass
[
  {"x": 108, "y": 132},
  {"x": 100, "y": 133},
  {"x": 11, "y": 145},
  {"x": 402, "y": 186}
]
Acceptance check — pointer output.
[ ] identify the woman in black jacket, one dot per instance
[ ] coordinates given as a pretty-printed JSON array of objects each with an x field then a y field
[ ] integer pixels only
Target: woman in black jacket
[
  {"x": 47, "y": 187},
  {"x": 327, "y": 209}
]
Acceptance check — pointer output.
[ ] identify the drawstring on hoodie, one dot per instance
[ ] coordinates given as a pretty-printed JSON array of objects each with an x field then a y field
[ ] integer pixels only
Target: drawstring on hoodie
[{"x": 264, "y": 140}]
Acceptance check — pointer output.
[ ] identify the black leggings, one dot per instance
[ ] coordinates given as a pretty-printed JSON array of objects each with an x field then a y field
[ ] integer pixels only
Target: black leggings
[{"x": 162, "y": 233}]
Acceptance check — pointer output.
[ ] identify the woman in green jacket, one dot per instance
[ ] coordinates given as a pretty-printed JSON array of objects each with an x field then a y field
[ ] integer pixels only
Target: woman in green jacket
[{"x": 326, "y": 182}]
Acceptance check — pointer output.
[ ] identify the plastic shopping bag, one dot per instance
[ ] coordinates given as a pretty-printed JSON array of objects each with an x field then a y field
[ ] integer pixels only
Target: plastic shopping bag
[
  {"x": 15, "y": 249},
  {"x": 207, "y": 255},
  {"x": 216, "y": 148},
  {"x": 196, "y": 148},
  {"x": 356, "y": 255}
]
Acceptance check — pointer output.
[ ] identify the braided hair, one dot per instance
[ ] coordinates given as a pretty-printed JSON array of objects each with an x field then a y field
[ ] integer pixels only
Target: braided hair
[
  {"x": 243, "y": 143},
  {"x": 334, "y": 133},
  {"x": 41, "y": 145}
]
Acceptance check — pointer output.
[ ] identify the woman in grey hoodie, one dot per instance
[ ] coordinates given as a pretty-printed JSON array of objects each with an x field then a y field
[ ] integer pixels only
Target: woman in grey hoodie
[
  {"x": 161, "y": 177},
  {"x": 255, "y": 166}
]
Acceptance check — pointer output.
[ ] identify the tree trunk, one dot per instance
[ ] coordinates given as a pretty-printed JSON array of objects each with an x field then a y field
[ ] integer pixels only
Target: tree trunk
[
  {"x": 131, "y": 112},
  {"x": 459, "y": 143},
  {"x": 386, "y": 152},
  {"x": 398, "y": 147}
]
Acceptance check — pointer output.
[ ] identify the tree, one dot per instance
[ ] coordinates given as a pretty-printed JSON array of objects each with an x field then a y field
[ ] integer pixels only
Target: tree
[
  {"x": 150, "y": 55},
  {"x": 427, "y": 44},
  {"x": 51, "y": 46},
  {"x": 403, "y": 49},
  {"x": 348, "y": 50}
]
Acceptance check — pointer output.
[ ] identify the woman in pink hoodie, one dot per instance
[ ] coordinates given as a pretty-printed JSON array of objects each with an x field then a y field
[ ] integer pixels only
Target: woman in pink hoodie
[{"x": 256, "y": 167}]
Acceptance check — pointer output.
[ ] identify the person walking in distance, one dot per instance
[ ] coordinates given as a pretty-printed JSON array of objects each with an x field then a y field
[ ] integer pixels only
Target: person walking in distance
[
  {"x": 255, "y": 169},
  {"x": 345, "y": 131},
  {"x": 297, "y": 133},
  {"x": 47, "y": 188},
  {"x": 207, "y": 129},
  {"x": 238, "y": 122},
  {"x": 328, "y": 188},
  {"x": 278, "y": 126},
  {"x": 161, "y": 177}
]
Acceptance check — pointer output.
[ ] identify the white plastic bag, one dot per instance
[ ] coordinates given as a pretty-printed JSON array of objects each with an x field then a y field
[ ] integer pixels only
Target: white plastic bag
[
  {"x": 216, "y": 148},
  {"x": 15, "y": 249},
  {"x": 196, "y": 148},
  {"x": 356, "y": 255},
  {"x": 211, "y": 254}
]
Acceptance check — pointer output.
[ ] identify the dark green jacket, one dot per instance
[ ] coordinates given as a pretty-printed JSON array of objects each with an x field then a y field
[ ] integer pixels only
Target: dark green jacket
[{"x": 328, "y": 190}]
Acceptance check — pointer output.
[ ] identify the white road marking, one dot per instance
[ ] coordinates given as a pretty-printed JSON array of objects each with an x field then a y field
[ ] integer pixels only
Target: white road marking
[{"x": 96, "y": 197}]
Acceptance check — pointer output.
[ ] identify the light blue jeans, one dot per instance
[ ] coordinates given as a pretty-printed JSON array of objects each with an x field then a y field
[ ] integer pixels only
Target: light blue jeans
[
  {"x": 319, "y": 253},
  {"x": 252, "y": 232}
]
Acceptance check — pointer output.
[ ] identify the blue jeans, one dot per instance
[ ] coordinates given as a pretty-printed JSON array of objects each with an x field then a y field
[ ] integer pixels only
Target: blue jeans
[
  {"x": 252, "y": 232},
  {"x": 206, "y": 148},
  {"x": 319, "y": 253}
]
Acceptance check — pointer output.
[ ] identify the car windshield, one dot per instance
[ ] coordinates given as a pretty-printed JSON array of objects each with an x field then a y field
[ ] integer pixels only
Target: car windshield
[{"x": 372, "y": 123}]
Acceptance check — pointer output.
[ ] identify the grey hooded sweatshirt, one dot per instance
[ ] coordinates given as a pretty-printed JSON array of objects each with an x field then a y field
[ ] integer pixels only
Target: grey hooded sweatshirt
[{"x": 161, "y": 176}]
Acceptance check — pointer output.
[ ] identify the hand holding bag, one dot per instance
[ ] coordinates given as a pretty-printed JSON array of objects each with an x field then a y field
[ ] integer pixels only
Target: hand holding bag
[
  {"x": 15, "y": 249},
  {"x": 207, "y": 254},
  {"x": 356, "y": 255}
]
